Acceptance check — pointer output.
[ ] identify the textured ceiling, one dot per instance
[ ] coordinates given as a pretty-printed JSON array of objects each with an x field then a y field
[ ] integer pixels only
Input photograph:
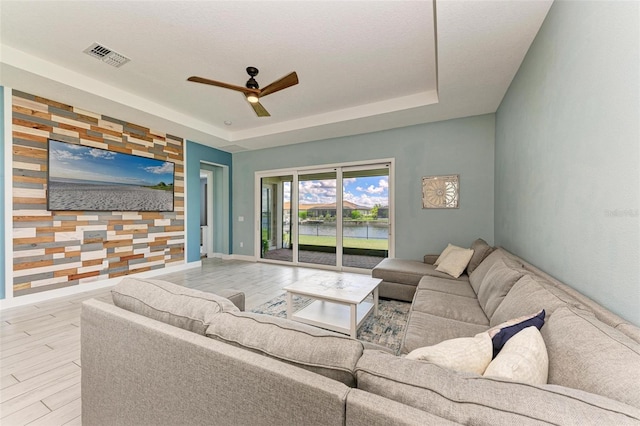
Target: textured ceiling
[{"x": 363, "y": 66}]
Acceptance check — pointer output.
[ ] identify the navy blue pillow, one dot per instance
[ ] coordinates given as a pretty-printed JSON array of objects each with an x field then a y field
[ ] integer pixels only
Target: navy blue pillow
[{"x": 508, "y": 332}]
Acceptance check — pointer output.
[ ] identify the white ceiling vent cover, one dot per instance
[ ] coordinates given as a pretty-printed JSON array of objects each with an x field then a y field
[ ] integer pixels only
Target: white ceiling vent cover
[{"x": 106, "y": 55}]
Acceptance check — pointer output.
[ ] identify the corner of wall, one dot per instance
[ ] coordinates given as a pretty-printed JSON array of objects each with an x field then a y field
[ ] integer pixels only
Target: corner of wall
[{"x": 3, "y": 183}]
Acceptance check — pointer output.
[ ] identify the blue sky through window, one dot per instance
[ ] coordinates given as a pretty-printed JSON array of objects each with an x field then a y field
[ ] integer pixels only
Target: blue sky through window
[{"x": 364, "y": 191}]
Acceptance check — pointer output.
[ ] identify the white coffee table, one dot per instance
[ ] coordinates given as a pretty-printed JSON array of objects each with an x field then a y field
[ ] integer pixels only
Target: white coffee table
[{"x": 339, "y": 303}]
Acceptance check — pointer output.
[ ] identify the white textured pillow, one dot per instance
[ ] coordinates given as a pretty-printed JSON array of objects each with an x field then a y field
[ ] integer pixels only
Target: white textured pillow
[
  {"x": 445, "y": 252},
  {"x": 522, "y": 359},
  {"x": 455, "y": 262},
  {"x": 468, "y": 354}
]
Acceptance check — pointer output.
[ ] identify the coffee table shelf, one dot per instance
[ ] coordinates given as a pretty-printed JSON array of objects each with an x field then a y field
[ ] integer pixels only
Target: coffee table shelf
[{"x": 333, "y": 316}]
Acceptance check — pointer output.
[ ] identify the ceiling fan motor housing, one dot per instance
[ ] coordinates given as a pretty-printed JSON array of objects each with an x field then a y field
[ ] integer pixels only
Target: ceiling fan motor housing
[{"x": 252, "y": 83}]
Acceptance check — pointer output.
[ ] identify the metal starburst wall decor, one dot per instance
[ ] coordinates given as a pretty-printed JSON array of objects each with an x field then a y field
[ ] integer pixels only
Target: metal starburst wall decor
[{"x": 440, "y": 192}]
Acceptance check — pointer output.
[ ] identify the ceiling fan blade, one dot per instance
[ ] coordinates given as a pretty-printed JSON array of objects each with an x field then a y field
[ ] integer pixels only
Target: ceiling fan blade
[
  {"x": 259, "y": 109},
  {"x": 283, "y": 83},
  {"x": 221, "y": 84}
]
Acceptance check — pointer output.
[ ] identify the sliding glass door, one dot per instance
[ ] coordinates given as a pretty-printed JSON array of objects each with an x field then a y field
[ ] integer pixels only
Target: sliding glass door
[
  {"x": 365, "y": 216},
  {"x": 275, "y": 218},
  {"x": 338, "y": 217},
  {"x": 317, "y": 218}
]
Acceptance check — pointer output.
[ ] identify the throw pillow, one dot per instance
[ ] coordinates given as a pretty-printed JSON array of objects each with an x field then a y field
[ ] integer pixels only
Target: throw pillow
[
  {"x": 468, "y": 354},
  {"x": 523, "y": 359},
  {"x": 455, "y": 262},
  {"x": 501, "y": 333},
  {"x": 445, "y": 252},
  {"x": 480, "y": 250}
]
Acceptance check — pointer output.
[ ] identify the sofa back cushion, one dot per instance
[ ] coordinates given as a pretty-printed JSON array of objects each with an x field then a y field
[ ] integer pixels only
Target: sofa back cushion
[
  {"x": 476, "y": 277},
  {"x": 496, "y": 284},
  {"x": 472, "y": 399},
  {"x": 587, "y": 354},
  {"x": 173, "y": 304},
  {"x": 314, "y": 349},
  {"x": 480, "y": 251},
  {"x": 528, "y": 295}
]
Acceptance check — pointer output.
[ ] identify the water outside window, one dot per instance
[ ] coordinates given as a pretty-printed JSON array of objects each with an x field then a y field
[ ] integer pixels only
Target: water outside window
[{"x": 365, "y": 217}]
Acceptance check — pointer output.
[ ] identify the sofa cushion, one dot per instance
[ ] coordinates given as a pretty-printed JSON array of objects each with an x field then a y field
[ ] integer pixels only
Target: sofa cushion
[
  {"x": 170, "y": 303},
  {"x": 455, "y": 262},
  {"x": 459, "y": 308},
  {"x": 312, "y": 348},
  {"x": 467, "y": 354},
  {"x": 478, "y": 274},
  {"x": 531, "y": 294},
  {"x": 480, "y": 251},
  {"x": 523, "y": 359},
  {"x": 585, "y": 353},
  {"x": 472, "y": 399},
  {"x": 443, "y": 285},
  {"x": 496, "y": 284},
  {"x": 425, "y": 329},
  {"x": 408, "y": 271}
]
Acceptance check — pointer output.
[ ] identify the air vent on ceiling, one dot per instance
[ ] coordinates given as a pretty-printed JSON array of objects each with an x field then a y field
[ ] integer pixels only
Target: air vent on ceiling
[{"x": 106, "y": 55}]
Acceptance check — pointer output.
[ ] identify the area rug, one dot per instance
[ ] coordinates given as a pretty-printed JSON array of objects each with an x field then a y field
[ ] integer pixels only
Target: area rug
[{"x": 385, "y": 329}]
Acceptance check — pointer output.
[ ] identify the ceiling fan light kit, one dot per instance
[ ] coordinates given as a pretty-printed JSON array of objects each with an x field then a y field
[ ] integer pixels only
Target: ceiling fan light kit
[{"x": 252, "y": 91}]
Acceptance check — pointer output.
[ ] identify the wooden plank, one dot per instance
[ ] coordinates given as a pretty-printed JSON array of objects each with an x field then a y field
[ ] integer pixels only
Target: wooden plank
[
  {"x": 30, "y": 152},
  {"x": 58, "y": 358},
  {"x": 84, "y": 275},
  {"x": 6, "y": 381},
  {"x": 38, "y": 381},
  {"x": 34, "y": 240},
  {"x": 62, "y": 415},
  {"x": 62, "y": 398},
  {"x": 26, "y": 399},
  {"x": 27, "y": 414},
  {"x": 30, "y": 265}
]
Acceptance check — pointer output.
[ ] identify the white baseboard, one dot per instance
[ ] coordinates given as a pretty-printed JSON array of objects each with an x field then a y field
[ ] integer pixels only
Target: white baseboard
[
  {"x": 242, "y": 257},
  {"x": 90, "y": 286}
]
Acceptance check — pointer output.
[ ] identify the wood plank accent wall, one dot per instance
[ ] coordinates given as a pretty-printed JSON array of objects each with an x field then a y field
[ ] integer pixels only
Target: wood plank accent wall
[{"x": 60, "y": 249}]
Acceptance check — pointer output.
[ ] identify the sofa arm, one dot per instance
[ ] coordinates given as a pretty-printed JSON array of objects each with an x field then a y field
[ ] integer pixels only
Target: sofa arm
[
  {"x": 431, "y": 258},
  {"x": 236, "y": 297}
]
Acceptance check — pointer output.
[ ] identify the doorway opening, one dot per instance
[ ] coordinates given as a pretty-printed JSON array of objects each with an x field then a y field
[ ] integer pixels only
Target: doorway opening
[{"x": 214, "y": 210}]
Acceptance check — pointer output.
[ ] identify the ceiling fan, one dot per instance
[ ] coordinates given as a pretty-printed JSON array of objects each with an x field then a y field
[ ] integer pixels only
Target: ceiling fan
[{"x": 252, "y": 91}]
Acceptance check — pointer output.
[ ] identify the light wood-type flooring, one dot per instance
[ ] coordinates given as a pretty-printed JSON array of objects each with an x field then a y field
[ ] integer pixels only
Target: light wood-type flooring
[{"x": 40, "y": 343}]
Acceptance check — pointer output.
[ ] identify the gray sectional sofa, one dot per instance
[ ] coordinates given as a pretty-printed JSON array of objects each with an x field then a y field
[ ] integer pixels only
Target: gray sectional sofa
[{"x": 170, "y": 355}]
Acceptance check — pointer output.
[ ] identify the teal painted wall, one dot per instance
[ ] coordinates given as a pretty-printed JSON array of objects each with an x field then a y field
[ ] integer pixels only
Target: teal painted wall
[
  {"x": 567, "y": 153},
  {"x": 196, "y": 153},
  {"x": 462, "y": 146},
  {"x": 2, "y": 183}
]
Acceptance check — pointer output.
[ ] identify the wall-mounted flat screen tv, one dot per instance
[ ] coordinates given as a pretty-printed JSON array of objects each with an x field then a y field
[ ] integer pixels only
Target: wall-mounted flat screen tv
[{"x": 91, "y": 179}]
